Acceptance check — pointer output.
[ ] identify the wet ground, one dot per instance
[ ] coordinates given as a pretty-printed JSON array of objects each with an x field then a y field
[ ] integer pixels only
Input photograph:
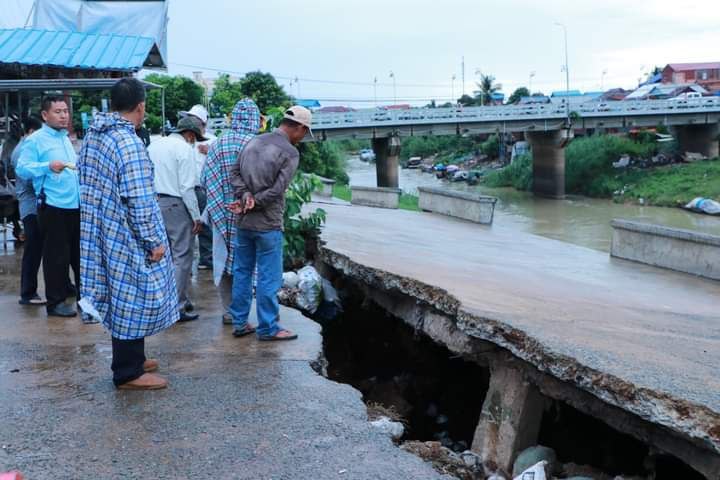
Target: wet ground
[
  {"x": 655, "y": 329},
  {"x": 235, "y": 408},
  {"x": 578, "y": 220}
]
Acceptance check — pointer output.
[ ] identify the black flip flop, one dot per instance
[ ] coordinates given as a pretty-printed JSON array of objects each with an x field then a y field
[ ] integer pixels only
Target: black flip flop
[
  {"x": 275, "y": 337},
  {"x": 245, "y": 331}
]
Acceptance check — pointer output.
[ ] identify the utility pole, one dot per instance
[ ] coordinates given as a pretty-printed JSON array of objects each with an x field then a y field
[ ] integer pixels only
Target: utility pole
[
  {"x": 602, "y": 79},
  {"x": 462, "y": 65},
  {"x": 375, "y": 90},
  {"x": 297, "y": 84},
  {"x": 482, "y": 94},
  {"x": 392, "y": 75},
  {"x": 567, "y": 73},
  {"x": 532, "y": 74},
  {"x": 452, "y": 87}
]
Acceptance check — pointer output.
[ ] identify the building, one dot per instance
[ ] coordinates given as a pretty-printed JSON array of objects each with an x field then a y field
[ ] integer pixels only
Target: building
[
  {"x": 663, "y": 91},
  {"x": 208, "y": 84},
  {"x": 707, "y": 75}
]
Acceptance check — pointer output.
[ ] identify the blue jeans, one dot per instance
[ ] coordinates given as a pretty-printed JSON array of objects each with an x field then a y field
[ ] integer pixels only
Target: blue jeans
[{"x": 266, "y": 250}]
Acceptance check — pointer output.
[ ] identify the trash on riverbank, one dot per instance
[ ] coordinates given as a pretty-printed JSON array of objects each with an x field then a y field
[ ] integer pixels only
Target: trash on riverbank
[
  {"x": 703, "y": 205},
  {"x": 465, "y": 465}
]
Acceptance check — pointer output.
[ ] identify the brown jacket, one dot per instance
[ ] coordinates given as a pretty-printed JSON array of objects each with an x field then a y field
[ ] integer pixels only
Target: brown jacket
[{"x": 265, "y": 169}]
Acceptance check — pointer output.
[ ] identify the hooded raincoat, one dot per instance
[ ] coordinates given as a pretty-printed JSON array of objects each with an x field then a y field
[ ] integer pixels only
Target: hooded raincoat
[
  {"x": 221, "y": 158},
  {"x": 120, "y": 224}
]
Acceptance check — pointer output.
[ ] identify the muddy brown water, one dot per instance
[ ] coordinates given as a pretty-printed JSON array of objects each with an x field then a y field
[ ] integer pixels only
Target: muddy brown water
[{"x": 578, "y": 220}]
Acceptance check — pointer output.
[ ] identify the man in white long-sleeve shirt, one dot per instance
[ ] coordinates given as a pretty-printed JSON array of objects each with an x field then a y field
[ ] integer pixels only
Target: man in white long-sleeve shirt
[{"x": 175, "y": 173}]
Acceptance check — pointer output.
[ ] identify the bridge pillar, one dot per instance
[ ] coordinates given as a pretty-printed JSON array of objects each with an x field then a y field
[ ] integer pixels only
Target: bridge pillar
[
  {"x": 387, "y": 163},
  {"x": 548, "y": 152},
  {"x": 701, "y": 138}
]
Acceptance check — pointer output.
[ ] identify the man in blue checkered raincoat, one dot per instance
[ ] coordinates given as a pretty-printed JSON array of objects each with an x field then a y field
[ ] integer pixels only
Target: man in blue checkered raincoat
[{"x": 127, "y": 277}]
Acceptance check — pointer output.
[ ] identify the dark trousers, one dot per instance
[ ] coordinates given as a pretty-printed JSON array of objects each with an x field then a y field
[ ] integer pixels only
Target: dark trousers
[
  {"x": 32, "y": 256},
  {"x": 205, "y": 236},
  {"x": 61, "y": 250},
  {"x": 128, "y": 357}
]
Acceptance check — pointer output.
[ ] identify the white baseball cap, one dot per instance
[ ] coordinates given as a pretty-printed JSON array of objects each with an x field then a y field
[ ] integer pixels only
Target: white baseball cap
[
  {"x": 301, "y": 115},
  {"x": 196, "y": 111}
]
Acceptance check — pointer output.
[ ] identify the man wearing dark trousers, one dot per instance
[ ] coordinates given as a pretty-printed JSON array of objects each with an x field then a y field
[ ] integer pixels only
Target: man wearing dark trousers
[
  {"x": 48, "y": 160},
  {"x": 27, "y": 205}
]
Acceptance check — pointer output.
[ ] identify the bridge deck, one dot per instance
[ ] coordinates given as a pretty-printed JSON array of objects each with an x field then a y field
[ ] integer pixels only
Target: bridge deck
[{"x": 656, "y": 329}]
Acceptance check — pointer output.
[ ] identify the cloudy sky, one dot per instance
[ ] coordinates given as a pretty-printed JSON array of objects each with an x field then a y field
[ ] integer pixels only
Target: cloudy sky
[{"x": 337, "y": 47}]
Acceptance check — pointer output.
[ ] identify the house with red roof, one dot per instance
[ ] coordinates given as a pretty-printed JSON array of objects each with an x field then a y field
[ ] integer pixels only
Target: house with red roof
[{"x": 705, "y": 74}]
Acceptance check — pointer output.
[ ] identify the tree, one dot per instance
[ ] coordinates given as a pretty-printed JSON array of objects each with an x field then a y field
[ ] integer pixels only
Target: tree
[
  {"x": 263, "y": 88},
  {"x": 181, "y": 93},
  {"x": 487, "y": 87},
  {"x": 259, "y": 86},
  {"x": 518, "y": 94},
  {"x": 467, "y": 101}
]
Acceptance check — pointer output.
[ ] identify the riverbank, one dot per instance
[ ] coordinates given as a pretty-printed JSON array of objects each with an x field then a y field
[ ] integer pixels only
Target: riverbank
[
  {"x": 407, "y": 201},
  {"x": 666, "y": 186}
]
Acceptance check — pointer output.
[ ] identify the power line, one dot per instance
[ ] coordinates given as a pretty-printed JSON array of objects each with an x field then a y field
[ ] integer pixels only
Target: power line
[{"x": 313, "y": 80}]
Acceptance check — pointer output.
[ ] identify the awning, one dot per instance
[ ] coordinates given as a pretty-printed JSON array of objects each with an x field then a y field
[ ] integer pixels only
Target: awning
[{"x": 63, "y": 84}]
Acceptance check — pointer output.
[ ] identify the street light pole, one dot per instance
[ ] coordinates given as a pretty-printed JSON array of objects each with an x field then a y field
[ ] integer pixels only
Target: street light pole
[
  {"x": 452, "y": 83},
  {"x": 482, "y": 94},
  {"x": 567, "y": 72},
  {"x": 602, "y": 79},
  {"x": 392, "y": 75},
  {"x": 375, "y": 90},
  {"x": 532, "y": 74}
]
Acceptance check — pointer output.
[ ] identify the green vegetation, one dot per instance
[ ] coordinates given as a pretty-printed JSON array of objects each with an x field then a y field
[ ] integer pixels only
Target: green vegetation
[
  {"x": 589, "y": 171},
  {"x": 325, "y": 159},
  {"x": 300, "y": 228},
  {"x": 518, "y": 94},
  {"x": 670, "y": 186},
  {"x": 407, "y": 201},
  {"x": 517, "y": 175},
  {"x": 449, "y": 149},
  {"x": 181, "y": 93},
  {"x": 259, "y": 86}
]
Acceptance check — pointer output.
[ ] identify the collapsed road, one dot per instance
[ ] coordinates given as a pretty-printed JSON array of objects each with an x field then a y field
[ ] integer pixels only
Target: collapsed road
[{"x": 558, "y": 327}]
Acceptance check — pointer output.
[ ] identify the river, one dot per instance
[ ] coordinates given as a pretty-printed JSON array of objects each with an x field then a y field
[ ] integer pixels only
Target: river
[{"x": 578, "y": 220}]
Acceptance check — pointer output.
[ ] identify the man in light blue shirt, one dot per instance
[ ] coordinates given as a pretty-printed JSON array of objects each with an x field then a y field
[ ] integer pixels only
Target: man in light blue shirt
[{"x": 48, "y": 160}]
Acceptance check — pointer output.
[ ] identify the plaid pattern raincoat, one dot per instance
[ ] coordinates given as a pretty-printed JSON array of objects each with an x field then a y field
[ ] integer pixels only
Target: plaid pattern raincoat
[
  {"x": 120, "y": 223},
  {"x": 222, "y": 156}
]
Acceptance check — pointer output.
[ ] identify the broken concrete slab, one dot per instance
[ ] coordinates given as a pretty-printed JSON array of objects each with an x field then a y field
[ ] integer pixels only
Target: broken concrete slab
[{"x": 626, "y": 334}]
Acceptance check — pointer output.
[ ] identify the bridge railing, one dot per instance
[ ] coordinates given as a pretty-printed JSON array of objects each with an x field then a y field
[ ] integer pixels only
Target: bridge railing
[{"x": 417, "y": 116}]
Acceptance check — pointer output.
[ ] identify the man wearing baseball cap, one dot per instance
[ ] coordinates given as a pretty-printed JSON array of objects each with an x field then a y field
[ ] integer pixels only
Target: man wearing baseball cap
[
  {"x": 200, "y": 151},
  {"x": 175, "y": 173},
  {"x": 260, "y": 178}
]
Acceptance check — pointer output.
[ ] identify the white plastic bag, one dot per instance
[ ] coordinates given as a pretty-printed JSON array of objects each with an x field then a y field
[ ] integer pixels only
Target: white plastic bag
[
  {"x": 704, "y": 205},
  {"x": 536, "y": 472},
  {"x": 310, "y": 286}
]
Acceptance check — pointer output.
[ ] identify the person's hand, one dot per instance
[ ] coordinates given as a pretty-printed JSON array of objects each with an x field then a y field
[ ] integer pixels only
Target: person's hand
[
  {"x": 197, "y": 227},
  {"x": 235, "y": 207},
  {"x": 157, "y": 253},
  {"x": 249, "y": 202},
  {"x": 203, "y": 149},
  {"x": 57, "y": 166}
]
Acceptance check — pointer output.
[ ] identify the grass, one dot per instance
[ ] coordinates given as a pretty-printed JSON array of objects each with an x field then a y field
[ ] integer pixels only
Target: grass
[
  {"x": 407, "y": 202},
  {"x": 670, "y": 186}
]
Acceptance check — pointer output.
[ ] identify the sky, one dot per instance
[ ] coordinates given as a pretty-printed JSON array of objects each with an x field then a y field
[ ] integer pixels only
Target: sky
[{"x": 336, "y": 48}]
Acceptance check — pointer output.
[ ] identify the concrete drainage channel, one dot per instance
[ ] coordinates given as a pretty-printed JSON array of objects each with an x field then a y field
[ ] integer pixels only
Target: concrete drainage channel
[{"x": 442, "y": 396}]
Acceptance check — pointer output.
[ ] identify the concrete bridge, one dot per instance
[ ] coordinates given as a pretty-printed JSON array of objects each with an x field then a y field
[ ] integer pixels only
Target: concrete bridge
[{"x": 547, "y": 127}]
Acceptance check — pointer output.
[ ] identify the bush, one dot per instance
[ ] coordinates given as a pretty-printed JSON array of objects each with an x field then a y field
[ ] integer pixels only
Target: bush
[
  {"x": 491, "y": 146},
  {"x": 518, "y": 174},
  {"x": 325, "y": 159},
  {"x": 588, "y": 162},
  {"x": 298, "y": 228}
]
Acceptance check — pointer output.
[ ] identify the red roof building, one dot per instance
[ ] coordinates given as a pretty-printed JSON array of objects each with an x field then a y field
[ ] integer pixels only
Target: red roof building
[{"x": 706, "y": 74}]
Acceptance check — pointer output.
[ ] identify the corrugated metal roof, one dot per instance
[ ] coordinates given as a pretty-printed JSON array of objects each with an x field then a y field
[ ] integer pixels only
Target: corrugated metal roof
[
  {"x": 683, "y": 67},
  {"x": 77, "y": 49}
]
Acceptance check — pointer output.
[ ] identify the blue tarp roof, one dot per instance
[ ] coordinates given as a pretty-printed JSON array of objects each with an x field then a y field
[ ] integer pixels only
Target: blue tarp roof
[
  {"x": 563, "y": 93},
  {"x": 76, "y": 49},
  {"x": 307, "y": 103}
]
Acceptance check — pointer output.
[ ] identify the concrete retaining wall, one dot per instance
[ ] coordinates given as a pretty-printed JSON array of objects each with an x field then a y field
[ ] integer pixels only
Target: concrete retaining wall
[
  {"x": 381, "y": 197},
  {"x": 327, "y": 185},
  {"x": 468, "y": 206},
  {"x": 673, "y": 248}
]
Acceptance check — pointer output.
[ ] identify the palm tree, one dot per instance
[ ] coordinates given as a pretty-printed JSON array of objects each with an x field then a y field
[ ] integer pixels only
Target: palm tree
[{"x": 487, "y": 87}]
